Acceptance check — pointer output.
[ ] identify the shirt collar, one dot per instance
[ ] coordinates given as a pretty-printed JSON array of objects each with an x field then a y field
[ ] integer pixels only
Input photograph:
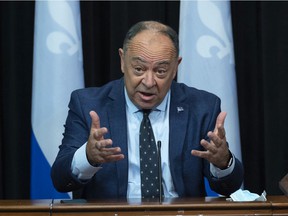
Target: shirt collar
[{"x": 132, "y": 108}]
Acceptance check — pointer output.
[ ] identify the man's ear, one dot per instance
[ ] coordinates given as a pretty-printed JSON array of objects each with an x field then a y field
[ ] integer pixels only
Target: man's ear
[
  {"x": 179, "y": 60},
  {"x": 121, "y": 54},
  {"x": 178, "y": 63}
]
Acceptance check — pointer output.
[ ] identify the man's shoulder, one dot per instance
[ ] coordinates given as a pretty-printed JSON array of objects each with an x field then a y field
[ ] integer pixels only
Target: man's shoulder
[
  {"x": 104, "y": 90},
  {"x": 192, "y": 93},
  {"x": 199, "y": 101}
]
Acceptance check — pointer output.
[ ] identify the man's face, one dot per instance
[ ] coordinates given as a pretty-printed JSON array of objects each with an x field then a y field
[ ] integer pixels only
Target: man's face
[{"x": 149, "y": 66}]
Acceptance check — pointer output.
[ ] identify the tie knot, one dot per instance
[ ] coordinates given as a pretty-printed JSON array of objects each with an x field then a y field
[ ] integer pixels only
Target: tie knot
[{"x": 146, "y": 112}]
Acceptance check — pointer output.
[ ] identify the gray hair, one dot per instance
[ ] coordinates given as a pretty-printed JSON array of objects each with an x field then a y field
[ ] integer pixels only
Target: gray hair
[{"x": 154, "y": 26}]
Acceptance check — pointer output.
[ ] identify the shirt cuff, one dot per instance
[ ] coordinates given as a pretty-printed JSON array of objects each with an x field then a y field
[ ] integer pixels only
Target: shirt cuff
[
  {"x": 80, "y": 165},
  {"x": 219, "y": 173}
]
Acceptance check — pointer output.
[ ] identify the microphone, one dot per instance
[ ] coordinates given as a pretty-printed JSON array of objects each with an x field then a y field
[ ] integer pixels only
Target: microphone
[{"x": 159, "y": 170}]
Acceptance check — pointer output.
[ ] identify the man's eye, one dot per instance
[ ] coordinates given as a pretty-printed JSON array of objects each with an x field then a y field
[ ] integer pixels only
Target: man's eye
[
  {"x": 161, "y": 73},
  {"x": 138, "y": 69}
]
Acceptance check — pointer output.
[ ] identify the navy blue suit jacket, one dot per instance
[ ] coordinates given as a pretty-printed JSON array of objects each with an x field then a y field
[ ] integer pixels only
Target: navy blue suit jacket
[{"x": 192, "y": 114}]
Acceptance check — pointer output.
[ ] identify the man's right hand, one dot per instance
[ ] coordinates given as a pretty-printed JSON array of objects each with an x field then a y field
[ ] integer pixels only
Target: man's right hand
[{"x": 98, "y": 149}]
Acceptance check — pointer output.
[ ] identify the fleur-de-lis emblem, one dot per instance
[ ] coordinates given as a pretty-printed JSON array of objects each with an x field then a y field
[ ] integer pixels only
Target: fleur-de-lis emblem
[
  {"x": 66, "y": 40},
  {"x": 214, "y": 21}
]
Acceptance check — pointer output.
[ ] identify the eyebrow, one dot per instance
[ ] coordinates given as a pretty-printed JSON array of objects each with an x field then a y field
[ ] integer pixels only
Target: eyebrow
[
  {"x": 144, "y": 61},
  {"x": 138, "y": 59}
]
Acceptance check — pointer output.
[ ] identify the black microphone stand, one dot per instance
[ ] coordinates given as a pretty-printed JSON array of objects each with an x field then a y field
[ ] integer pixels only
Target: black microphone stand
[{"x": 159, "y": 171}]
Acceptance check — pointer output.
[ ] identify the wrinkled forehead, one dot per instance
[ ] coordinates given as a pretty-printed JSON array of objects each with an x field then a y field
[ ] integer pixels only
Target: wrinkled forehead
[{"x": 152, "y": 45}]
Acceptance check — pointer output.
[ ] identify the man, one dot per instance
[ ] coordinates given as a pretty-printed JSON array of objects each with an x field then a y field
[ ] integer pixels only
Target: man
[{"x": 103, "y": 159}]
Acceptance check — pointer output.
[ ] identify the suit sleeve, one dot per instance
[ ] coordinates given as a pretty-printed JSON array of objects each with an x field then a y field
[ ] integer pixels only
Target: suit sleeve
[
  {"x": 229, "y": 183},
  {"x": 75, "y": 135}
]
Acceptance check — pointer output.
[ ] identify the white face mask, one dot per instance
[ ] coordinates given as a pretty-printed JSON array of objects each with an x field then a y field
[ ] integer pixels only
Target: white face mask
[{"x": 244, "y": 195}]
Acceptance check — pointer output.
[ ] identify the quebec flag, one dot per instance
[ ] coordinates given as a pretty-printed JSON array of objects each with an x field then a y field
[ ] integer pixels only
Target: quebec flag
[
  {"x": 206, "y": 45},
  {"x": 57, "y": 71}
]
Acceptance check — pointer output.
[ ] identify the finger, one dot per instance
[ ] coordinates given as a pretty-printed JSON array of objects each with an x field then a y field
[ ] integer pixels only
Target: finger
[
  {"x": 110, "y": 151},
  {"x": 220, "y": 120},
  {"x": 208, "y": 146},
  {"x": 113, "y": 158},
  {"x": 98, "y": 134},
  {"x": 221, "y": 132},
  {"x": 215, "y": 139},
  {"x": 109, "y": 155},
  {"x": 103, "y": 143},
  {"x": 201, "y": 154},
  {"x": 95, "y": 120}
]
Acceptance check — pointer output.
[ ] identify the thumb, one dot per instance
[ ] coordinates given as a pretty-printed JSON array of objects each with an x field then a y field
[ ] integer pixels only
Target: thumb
[{"x": 95, "y": 120}]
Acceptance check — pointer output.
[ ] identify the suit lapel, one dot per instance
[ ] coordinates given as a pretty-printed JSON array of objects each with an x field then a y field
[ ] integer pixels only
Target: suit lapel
[
  {"x": 178, "y": 119},
  {"x": 116, "y": 113}
]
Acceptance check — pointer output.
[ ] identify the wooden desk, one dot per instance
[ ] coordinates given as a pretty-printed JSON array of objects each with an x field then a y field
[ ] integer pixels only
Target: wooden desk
[
  {"x": 25, "y": 207},
  {"x": 275, "y": 205},
  {"x": 279, "y": 205}
]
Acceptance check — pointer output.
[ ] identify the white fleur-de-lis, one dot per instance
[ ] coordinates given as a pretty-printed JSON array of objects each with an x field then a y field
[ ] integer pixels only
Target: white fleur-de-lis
[
  {"x": 212, "y": 18},
  {"x": 67, "y": 40}
]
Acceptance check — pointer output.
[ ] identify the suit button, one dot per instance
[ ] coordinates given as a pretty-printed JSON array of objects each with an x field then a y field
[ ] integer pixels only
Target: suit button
[{"x": 69, "y": 185}]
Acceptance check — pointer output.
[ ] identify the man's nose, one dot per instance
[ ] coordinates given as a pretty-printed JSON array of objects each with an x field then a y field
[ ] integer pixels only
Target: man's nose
[{"x": 149, "y": 79}]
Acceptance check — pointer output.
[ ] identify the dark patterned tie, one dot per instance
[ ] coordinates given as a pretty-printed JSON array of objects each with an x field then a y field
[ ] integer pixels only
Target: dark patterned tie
[{"x": 148, "y": 159}]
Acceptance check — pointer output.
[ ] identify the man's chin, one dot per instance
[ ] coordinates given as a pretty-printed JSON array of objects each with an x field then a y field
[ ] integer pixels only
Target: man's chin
[{"x": 145, "y": 105}]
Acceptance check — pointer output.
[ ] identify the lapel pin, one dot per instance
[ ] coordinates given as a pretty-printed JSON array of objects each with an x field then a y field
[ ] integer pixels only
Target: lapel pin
[{"x": 180, "y": 109}]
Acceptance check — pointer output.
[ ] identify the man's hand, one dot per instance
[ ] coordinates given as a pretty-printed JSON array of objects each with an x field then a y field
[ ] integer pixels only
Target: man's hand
[
  {"x": 217, "y": 151},
  {"x": 96, "y": 149}
]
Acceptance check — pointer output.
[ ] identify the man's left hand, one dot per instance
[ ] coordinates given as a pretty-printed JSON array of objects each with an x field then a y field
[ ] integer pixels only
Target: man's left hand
[{"x": 217, "y": 151}]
